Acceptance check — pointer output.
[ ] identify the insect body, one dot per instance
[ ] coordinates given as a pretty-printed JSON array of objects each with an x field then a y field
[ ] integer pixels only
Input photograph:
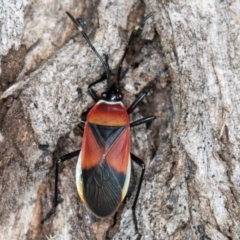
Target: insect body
[
  {"x": 103, "y": 168},
  {"x": 104, "y": 162}
]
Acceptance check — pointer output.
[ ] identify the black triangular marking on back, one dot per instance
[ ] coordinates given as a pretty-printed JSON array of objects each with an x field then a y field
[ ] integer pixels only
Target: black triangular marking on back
[
  {"x": 106, "y": 135},
  {"x": 106, "y": 131}
]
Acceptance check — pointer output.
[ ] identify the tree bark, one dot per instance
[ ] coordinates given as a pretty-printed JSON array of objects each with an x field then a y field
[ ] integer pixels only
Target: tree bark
[{"x": 191, "y": 187}]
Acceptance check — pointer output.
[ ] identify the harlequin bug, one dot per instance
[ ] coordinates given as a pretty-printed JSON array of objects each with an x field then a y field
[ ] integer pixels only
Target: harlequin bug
[{"x": 104, "y": 161}]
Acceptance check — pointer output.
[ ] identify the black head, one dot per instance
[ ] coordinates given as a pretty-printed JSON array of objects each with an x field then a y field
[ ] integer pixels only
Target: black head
[{"x": 113, "y": 94}]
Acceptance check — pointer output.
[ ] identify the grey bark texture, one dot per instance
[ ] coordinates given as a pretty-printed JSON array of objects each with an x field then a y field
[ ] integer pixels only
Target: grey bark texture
[{"x": 191, "y": 187}]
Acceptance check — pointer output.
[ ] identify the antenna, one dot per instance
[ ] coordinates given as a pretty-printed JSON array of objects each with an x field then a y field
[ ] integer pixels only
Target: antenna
[
  {"x": 79, "y": 26},
  {"x": 129, "y": 43}
]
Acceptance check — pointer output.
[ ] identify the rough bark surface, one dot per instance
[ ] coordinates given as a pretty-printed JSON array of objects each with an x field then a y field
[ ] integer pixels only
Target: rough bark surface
[{"x": 191, "y": 188}]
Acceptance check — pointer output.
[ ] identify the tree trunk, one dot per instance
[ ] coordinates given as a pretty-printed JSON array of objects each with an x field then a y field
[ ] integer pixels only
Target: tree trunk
[{"x": 191, "y": 187}]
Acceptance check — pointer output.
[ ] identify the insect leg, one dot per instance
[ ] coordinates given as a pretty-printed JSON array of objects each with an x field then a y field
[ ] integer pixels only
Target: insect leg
[
  {"x": 129, "y": 43},
  {"x": 142, "y": 121},
  {"x": 141, "y": 96},
  {"x": 80, "y": 126},
  {"x": 91, "y": 92},
  {"x": 141, "y": 164},
  {"x": 56, "y": 199}
]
